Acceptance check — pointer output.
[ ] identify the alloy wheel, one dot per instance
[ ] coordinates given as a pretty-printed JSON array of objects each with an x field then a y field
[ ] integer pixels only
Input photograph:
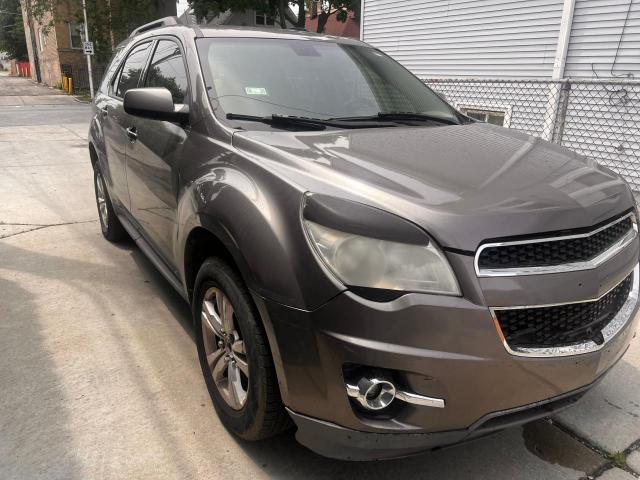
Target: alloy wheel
[
  {"x": 102, "y": 200},
  {"x": 224, "y": 348}
]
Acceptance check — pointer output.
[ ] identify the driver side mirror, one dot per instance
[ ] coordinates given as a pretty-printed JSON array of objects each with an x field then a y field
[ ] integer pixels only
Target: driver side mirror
[{"x": 156, "y": 104}]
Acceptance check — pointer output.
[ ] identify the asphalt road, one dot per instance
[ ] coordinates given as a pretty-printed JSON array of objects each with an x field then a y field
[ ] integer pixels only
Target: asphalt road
[{"x": 98, "y": 371}]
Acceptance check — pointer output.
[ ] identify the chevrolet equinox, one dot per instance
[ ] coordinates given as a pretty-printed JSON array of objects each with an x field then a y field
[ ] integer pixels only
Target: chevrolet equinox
[{"x": 362, "y": 260}]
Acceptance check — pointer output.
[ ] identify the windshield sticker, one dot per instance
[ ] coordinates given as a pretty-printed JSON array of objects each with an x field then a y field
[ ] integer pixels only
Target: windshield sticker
[{"x": 256, "y": 91}]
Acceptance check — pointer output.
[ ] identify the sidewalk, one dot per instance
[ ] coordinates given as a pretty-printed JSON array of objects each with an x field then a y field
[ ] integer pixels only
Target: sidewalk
[
  {"x": 19, "y": 91},
  {"x": 23, "y": 102}
]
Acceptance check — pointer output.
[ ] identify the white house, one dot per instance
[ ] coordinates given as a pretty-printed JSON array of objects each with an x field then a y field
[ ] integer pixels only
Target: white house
[
  {"x": 565, "y": 70},
  {"x": 501, "y": 38}
]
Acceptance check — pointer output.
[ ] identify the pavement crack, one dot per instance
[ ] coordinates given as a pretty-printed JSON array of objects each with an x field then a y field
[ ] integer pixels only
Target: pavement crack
[
  {"x": 72, "y": 132},
  {"x": 37, "y": 226},
  {"x": 613, "y": 459},
  {"x": 27, "y": 224}
]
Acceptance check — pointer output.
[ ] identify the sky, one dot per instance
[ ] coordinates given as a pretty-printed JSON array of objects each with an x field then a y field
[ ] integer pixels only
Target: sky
[{"x": 182, "y": 6}]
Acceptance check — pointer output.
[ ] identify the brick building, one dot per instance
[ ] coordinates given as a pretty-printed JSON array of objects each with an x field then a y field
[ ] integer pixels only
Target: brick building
[
  {"x": 59, "y": 47},
  {"x": 60, "y": 44}
]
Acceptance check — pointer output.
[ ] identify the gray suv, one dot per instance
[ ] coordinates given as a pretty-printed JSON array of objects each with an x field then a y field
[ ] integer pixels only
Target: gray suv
[{"x": 362, "y": 260}]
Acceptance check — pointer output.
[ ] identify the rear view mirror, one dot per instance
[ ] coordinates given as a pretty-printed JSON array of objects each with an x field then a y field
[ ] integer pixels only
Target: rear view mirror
[{"x": 156, "y": 104}]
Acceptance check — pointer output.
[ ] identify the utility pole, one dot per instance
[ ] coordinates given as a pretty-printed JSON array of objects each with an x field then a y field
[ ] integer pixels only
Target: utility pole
[{"x": 86, "y": 39}]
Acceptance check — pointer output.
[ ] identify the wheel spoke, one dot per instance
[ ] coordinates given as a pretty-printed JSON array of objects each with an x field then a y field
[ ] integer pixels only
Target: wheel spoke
[
  {"x": 240, "y": 357},
  {"x": 236, "y": 392},
  {"x": 238, "y": 347},
  {"x": 100, "y": 188},
  {"x": 226, "y": 313},
  {"x": 219, "y": 368},
  {"x": 102, "y": 203},
  {"x": 214, "y": 358},
  {"x": 224, "y": 348},
  {"x": 211, "y": 319}
]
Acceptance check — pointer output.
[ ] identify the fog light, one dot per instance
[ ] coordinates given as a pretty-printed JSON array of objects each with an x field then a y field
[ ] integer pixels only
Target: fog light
[
  {"x": 377, "y": 394},
  {"x": 373, "y": 393}
]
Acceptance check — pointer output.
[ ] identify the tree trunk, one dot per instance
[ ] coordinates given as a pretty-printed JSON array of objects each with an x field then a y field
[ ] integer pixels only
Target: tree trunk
[
  {"x": 302, "y": 19},
  {"x": 282, "y": 8},
  {"x": 322, "y": 21}
]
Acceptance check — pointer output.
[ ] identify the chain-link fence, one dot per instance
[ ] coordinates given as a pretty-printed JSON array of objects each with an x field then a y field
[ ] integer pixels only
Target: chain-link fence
[{"x": 598, "y": 118}]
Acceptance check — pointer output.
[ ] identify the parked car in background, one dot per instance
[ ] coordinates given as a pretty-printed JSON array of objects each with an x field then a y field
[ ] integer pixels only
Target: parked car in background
[{"x": 360, "y": 258}]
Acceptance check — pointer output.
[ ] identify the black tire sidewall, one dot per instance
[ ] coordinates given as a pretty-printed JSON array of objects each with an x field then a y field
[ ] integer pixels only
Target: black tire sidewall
[
  {"x": 113, "y": 230},
  {"x": 245, "y": 422}
]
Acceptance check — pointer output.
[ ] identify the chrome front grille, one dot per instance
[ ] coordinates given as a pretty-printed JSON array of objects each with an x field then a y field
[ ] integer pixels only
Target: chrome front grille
[
  {"x": 567, "y": 328},
  {"x": 562, "y": 325},
  {"x": 556, "y": 254}
]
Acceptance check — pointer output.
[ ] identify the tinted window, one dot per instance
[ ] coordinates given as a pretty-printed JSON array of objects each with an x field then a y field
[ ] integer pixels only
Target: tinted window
[
  {"x": 311, "y": 78},
  {"x": 107, "y": 79},
  {"x": 132, "y": 69},
  {"x": 167, "y": 70}
]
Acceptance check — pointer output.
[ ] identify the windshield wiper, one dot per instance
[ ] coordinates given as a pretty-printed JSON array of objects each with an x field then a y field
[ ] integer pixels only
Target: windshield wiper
[
  {"x": 307, "y": 122},
  {"x": 400, "y": 116},
  {"x": 275, "y": 120}
]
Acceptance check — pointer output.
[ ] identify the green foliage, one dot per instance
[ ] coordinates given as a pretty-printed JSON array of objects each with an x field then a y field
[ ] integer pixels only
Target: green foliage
[
  {"x": 619, "y": 459},
  {"x": 211, "y": 8},
  {"x": 109, "y": 22},
  {"x": 339, "y": 8},
  {"x": 12, "y": 39}
]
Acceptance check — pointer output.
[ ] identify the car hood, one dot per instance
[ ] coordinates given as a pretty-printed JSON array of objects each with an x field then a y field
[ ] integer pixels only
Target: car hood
[{"x": 463, "y": 184}]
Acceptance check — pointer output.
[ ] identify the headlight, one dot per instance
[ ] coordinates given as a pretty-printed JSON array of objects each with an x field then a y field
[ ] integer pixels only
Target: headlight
[{"x": 368, "y": 262}]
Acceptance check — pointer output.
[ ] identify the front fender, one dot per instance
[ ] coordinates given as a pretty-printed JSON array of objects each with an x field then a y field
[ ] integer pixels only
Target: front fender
[{"x": 256, "y": 215}]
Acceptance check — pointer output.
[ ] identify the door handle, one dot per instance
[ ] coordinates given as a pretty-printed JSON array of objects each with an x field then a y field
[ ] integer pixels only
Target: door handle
[{"x": 132, "y": 134}]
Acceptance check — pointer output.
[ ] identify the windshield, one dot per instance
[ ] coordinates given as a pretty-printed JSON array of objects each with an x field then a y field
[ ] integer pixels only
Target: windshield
[{"x": 311, "y": 78}]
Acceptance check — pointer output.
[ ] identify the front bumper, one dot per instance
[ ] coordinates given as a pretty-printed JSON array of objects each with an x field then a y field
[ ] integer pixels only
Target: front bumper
[
  {"x": 341, "y": 443},
  {"x": 436, "y": 346}
]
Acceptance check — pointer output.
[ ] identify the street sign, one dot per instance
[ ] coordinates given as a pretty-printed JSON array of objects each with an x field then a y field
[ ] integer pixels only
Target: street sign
[{"x": 88, "y": 48}]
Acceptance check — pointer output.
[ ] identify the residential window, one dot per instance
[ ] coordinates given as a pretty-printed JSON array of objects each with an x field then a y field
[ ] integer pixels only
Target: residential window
[
  {"x": 167, "y": 70},
  {"x": 76, "y": 32},
  {"x": 488, "y": 115},
  {"x": 264, "y": 19}
]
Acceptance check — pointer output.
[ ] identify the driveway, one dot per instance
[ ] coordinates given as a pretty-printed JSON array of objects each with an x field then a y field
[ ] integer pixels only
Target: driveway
[{"x": 98, "y": 370}]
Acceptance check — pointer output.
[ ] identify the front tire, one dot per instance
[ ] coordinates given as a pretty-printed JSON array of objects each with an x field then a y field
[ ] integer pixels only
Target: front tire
[
  {"x": 234, "y": 354},
  {"x": 110, "y": 225}
]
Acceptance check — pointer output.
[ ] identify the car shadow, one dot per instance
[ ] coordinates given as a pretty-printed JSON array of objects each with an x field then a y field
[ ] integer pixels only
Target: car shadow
[
  {"x": 36, "y": 439},
  {"x": 31, "y": 393}
]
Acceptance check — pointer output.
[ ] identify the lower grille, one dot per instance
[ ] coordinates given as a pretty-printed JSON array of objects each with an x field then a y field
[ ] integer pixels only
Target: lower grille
[{"x": 562, "y": 325}]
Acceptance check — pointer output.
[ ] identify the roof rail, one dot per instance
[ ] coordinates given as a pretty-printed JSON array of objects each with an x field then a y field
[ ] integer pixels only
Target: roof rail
[{"x": 162, "y": 22}]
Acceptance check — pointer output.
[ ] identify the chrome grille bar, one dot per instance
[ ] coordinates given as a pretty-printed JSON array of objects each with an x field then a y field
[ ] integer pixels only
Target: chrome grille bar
[{"x": 590, "y": 264}]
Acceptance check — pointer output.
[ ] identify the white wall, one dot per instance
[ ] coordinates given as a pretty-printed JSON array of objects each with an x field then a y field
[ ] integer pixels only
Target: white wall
[
  {"x": 598, "y": 26},
  {"x": 452, "y": 38}
]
